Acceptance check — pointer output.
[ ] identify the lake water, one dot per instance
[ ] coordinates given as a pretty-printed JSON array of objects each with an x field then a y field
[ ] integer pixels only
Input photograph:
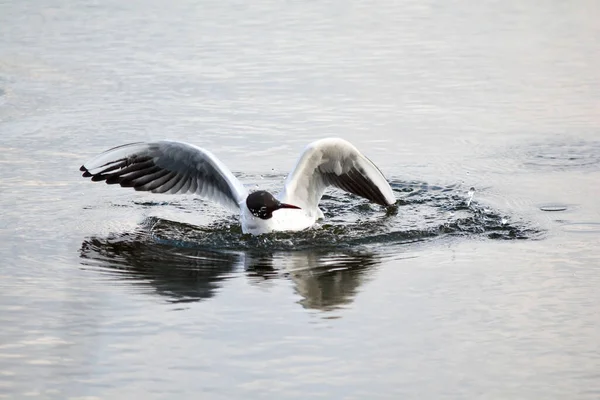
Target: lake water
[{"x": 106, "y": 293}]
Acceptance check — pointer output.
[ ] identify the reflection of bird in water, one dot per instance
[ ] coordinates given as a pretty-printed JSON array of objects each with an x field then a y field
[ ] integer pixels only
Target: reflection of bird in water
[
  {"x": 333, "y": 281},
  {"x": 181, "y": 274},
  {"x": 325, "y": 279},
  {"x": 176, "y": 167}
]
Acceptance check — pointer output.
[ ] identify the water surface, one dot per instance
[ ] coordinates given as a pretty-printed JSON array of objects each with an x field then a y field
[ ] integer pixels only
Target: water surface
[{"x": 456, "y": 293}]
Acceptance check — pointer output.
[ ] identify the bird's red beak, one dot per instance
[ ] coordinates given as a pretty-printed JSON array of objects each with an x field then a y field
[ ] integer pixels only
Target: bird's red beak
[{"x": 285, "y": 205}]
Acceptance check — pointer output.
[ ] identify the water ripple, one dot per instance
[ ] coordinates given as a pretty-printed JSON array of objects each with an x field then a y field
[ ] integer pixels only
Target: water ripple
[
  {"x": 185, "y": 262},
  {"x": 558, "y": 155}
]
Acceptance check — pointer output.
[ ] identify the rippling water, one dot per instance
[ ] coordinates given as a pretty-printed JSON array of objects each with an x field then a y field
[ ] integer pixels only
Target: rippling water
[
  {"x": 187, "y": 262},
  {"x": 481, "y": 282}
]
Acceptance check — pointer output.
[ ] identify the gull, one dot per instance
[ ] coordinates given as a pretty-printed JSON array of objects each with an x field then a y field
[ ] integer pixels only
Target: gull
[{"x": 175, "y": 167}]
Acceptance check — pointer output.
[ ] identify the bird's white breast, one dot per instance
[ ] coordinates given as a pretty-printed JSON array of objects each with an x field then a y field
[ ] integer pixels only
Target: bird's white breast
[{"x": 282, "y": 220}]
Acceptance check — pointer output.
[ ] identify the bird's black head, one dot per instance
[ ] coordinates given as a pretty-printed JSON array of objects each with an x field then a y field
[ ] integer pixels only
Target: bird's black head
[{"x": 262, "y": 204}]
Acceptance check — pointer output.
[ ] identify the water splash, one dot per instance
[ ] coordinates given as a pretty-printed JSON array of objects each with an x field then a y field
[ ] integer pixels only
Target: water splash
[
  {"x": 326, "y": 263},
  {"x": 422, "y": 212},
  {"x": 470, "y": 194}
]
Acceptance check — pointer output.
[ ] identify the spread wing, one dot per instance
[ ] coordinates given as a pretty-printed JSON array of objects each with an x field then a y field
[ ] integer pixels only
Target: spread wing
[
  {"x": 167, "y": 167},
  {"x": 334, "y": 162}
]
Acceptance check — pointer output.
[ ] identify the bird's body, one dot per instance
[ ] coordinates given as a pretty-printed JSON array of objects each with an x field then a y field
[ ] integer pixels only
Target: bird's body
[{"x": 177, "y": 167}]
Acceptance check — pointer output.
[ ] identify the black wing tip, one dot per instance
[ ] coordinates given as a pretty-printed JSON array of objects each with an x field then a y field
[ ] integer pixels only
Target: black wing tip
[
  {"x": 86, "y": 173},
  {"x": 95, "y": 177},
  {"x": 111, "y": 180},
  {"x": 355, "y": 182},
  {"x": 392, "y": 204},
  {"x": 98, "y": 178}
]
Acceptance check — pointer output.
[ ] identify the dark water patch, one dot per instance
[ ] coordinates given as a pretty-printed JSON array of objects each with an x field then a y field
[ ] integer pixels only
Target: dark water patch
[
  {"x": 148, "y": 204},
  {"x": 181, "y": 274}
]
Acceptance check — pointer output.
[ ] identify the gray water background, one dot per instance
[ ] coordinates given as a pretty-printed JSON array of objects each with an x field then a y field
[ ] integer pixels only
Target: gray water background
[{"x": 500, "y": 96}]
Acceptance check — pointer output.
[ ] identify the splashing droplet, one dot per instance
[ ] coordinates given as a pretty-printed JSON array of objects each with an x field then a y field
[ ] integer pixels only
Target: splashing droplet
[{"x": 470, "y": 194}]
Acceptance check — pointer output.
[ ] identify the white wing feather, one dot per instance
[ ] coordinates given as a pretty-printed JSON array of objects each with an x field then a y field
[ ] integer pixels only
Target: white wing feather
[
  {"x": 334, "y": 162},
  {"x": 168, "y": 167}
]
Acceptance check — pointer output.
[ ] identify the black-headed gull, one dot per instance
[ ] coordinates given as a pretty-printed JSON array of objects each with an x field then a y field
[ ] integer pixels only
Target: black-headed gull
[{"x": 177, "y": 167}]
